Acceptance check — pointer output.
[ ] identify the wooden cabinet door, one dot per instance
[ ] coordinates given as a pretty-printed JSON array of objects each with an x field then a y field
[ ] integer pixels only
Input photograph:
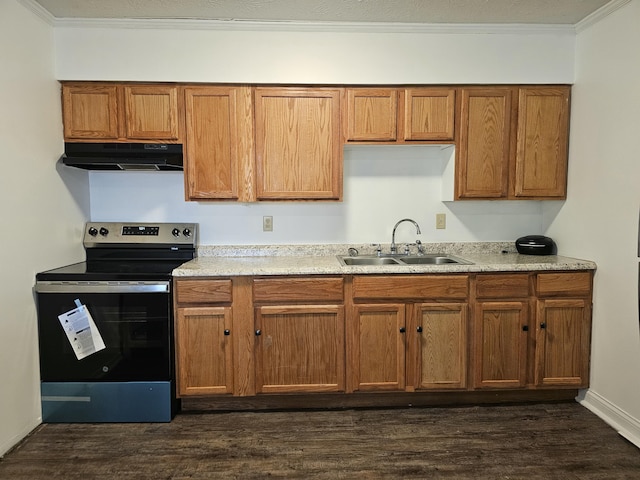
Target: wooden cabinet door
[
  {"x": 563, "y": 342},
  {"x": 298, "y": 143},
  {"x": 300, "y": 348},
  {"x": 151, "y": 112},
  {"x": 501, "y": 333},
  {"x": 203, "y": 351},
  {"x": 90, "y": 111},
  {"x": 218, "y": 151},
  {"x": 377, "y": 347},
  {"x": 442, "y": 345},
  {"x": 429, "y": 113},
  {"x": 542, "y": 142},
  {"x": 371, "y": 114},
  {"x": 485, "y": 143}
]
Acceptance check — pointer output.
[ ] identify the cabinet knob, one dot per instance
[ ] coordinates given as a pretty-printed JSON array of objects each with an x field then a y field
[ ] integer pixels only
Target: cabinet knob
[
  {"x": 419, "y": 329},
  {"x": 402, "y": 329},
  {"x": 525, "y": 328},
  {"x": 543, "y": 325},
  {"x": 258, "y": 332},
  {"x": 227, "y": 332}
]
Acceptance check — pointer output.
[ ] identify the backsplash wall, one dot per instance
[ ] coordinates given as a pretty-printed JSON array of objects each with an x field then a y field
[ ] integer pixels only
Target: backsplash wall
[{"x": 382, "y": 184}]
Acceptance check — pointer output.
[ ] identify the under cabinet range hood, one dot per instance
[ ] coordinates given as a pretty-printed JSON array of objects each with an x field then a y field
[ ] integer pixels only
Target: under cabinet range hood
[{"x": 123, "y": 156}]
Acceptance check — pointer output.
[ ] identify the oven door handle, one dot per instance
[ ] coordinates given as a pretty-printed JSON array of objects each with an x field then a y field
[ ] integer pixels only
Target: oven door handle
[{"x": 102, "y": 287}]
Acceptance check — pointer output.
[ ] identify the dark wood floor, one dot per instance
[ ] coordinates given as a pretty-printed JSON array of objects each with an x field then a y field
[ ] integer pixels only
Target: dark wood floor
[{"x": 542, "y": 441}]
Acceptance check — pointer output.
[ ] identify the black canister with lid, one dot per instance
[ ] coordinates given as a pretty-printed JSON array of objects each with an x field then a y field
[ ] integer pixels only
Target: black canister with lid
[{"x": 536, "y": 245}]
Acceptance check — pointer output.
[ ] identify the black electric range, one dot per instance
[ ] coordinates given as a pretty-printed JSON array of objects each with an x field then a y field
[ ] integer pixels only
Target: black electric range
[{"x": 106, "y": 325}]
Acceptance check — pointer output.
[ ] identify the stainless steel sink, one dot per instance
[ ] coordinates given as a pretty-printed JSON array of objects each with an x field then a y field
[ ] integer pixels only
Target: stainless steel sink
[
  {"x": 426, "y": 259},
  {"x": 429, "y": 260},
  {"x": 366, "y": 260}
]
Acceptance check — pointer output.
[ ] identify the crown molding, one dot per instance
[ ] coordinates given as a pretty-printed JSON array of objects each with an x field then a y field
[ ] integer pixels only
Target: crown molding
[
  {"x": 39, "y": 11},
  {"x": 600, "y": 14},
  {"x": 332, "y": 27}
]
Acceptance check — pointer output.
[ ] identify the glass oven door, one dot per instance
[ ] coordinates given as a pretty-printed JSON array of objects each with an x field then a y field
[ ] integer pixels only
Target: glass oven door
[{"x": 134, "y": 323}]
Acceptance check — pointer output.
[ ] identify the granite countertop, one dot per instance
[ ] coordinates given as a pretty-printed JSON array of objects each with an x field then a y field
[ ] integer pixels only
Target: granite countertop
[{"x": 321, "y": 260}]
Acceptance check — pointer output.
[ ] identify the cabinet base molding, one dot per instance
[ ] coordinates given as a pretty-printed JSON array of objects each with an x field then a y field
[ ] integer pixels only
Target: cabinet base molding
[{"x": 374, "y": 400}]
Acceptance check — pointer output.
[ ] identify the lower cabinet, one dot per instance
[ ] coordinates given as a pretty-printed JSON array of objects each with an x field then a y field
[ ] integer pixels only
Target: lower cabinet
[
  {"x": 299, "y": 334},
  {"x": 203, "y": 327},
  {"x": 248, "y": 336},
  {"x": 442, "y": 351},
  {"x": 204, "y": 351},
  {"x": 417, "y": 342},
  {"x": 532, "y": 331},
  {"x": 377, "y": 346},
  {"x": 501, "y": 335},
  {"x": 299, "y": 348},
  {"x": 563, "y": 329}
]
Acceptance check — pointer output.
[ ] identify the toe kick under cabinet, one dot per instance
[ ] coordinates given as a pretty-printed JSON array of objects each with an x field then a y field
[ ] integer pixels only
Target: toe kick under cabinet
[{"x": 375, "y": 334}]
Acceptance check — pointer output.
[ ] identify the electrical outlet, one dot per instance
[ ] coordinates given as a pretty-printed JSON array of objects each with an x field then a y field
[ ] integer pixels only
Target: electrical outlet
[
  {"x": 441, "y": 221},
  {"x": 267, "y": 223}
]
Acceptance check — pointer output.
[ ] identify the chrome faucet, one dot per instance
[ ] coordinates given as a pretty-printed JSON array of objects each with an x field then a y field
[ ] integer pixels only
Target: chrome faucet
[{"x": 394, "y": 249}]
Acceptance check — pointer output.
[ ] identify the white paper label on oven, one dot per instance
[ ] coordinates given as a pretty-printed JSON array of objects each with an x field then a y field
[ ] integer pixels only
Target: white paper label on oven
[{"x": 81, "y": 330}]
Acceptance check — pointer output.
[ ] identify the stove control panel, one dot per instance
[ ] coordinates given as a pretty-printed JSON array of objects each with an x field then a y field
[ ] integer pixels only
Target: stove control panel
[{"x": 109, "y": 233}]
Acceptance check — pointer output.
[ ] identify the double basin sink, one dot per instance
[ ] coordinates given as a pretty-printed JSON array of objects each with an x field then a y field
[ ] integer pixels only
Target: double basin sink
[{"x": 425, "y": 259}]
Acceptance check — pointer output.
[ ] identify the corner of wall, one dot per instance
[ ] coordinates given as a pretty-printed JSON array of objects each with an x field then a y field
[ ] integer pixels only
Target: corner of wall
[{"x": 626, "y": 425}]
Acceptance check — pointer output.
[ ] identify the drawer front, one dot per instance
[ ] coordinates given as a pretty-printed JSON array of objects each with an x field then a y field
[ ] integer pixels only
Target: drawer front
[
  {"x": 315, "y": 289},
  {"x": 563, "y": 284},
  {"x": 203, "y": 291},
  {"x": 411, "y": 287},
  {"x": 502, "y": 286}
]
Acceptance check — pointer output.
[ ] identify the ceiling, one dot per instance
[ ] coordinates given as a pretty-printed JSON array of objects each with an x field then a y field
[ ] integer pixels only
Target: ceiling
[{"x": 560, "y": 12}]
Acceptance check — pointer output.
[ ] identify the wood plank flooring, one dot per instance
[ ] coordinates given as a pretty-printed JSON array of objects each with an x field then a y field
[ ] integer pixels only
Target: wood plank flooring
[{"x": 539, "y": 441}]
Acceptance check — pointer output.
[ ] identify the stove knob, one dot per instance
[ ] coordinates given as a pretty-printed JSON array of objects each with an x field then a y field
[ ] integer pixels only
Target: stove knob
[
  {"x": 103, "y": 231},
  {"x": 186, "y": 232},
  {"x": 93, "y": 231},
  {"x": 175, "y": 232}
]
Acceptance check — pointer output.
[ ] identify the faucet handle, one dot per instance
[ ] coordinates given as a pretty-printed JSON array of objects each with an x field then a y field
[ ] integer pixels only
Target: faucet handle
[
  {"x": 407, "y": 248},
  {"x": 378, "y": 248},
  {"x": 420, "y": 247}
]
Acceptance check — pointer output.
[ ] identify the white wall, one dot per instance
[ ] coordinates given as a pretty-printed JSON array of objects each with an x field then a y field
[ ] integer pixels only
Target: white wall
[
  {"x": 382, "y": 185},
  {"x": 600, "y": 217},
  {"x": 216, "y": 55},
  {"x": 42, "y": 215}
]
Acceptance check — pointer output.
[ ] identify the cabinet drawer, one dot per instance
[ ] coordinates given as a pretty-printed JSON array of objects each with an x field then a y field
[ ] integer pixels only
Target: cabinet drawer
[
  {"x": 298, "y": 289},
  {"x": 411, "y": 287},
  {"x": 502, "y": 286},
  {"x": 203, "y": 291},
  {"x": 563, "y": 284}
]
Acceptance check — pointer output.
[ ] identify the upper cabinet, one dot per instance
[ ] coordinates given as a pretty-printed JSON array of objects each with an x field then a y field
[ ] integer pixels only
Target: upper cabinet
[
  {"x": 484, "y": 146},
  {"x": 429, "y": 114},
  {"x": 251, "y": 143},
  {"x": 90, "y": 111},
  {"x": 542, "y": 146},
  {"x": 151, "y": 112},
  {"x": 399, "y": 115},
  {"x": 513, "y": 143},
  {"x": 219, "y": 146},
  {"x": 298, "y": 143},
  {"x": 121, "y": 112},
  {"x": 371, "y": 114}
]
